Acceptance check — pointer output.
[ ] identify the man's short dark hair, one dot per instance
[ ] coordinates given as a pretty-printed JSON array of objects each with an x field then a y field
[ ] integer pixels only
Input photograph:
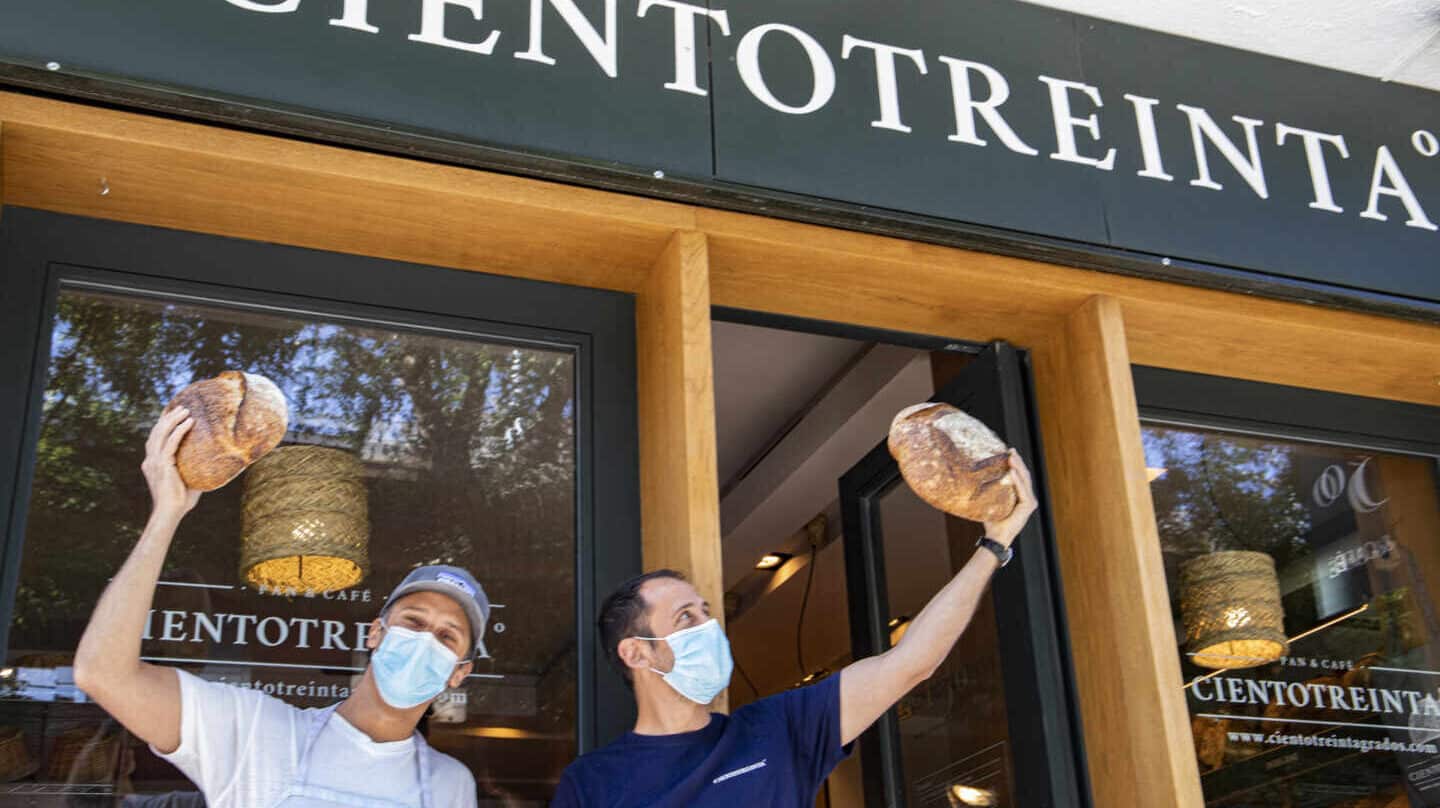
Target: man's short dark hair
[{"x": 623, "y": 615}]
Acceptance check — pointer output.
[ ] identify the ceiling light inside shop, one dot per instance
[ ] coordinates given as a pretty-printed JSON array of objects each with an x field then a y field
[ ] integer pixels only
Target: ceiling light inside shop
[
  {"x": 813, "y": 677},
  {"x": 772, "y": 561},
  {"x": 1230, "y": 606},
  {"x": 305, "y": 524},
  {"x": 897, "y": 627},
  {"x": 505, "y": 733},
  {"x": 970, "y": 795}
]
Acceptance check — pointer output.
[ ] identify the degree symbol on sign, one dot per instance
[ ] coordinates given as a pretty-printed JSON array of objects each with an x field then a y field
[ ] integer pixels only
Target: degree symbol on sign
[
  {"x": 498, "y": 628},
  {"x": 1425, "y": 142}
]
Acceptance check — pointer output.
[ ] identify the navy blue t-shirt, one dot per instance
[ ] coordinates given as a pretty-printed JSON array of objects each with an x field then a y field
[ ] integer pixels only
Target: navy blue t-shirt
[{"x": 774, "y": 753}]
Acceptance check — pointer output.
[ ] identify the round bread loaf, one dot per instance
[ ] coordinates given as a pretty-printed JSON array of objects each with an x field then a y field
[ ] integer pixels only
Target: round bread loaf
[
  {"x": 953, "y": 462},
  {"x": 238, "y": 418}
]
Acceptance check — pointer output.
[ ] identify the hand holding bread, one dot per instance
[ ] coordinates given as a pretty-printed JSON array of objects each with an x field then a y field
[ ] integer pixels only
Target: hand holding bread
[
  {"x": 955, "y": 463},
  {"x": 209, "y": 433},
  {"x": 238, "y": 418},
  {"x": 171, "y": 497}
]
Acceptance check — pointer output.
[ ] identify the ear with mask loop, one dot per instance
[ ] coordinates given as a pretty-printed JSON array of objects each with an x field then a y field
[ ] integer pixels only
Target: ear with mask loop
[{"x": 702, "y": 661}]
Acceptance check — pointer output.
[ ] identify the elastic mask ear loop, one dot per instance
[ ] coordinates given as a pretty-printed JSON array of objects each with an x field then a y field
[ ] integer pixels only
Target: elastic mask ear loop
[
  {"x": 654, "y": 670},
  {"x": 666, "y": 640}
]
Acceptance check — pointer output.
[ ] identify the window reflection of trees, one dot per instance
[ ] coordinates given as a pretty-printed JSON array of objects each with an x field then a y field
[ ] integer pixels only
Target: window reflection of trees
[
  {"x": 1220, "y": 492},
  {"x": 469, "y": 448}
]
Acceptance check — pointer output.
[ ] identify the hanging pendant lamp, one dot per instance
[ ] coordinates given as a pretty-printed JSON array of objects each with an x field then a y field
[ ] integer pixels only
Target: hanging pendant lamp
[
  {"x": 1230, "y": 605},
  {"x": 305, "y": 521}
]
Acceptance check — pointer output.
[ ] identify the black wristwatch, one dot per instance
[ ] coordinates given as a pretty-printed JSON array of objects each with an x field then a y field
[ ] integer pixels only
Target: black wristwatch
[{"x": 1001, "y": 551}]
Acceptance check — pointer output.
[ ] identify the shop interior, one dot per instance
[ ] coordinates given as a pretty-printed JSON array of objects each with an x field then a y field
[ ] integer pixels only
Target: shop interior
[{"x": 794, "y": 411}]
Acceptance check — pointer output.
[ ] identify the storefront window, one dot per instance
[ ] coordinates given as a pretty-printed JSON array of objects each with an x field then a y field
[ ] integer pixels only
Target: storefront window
[
  {"x": 466, "y": 449},
  {"x": 1304, "y": 581}
]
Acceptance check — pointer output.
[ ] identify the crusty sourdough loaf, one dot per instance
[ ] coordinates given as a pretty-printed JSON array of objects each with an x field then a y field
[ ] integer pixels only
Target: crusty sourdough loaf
[
  {"x": 953, "y": 462},
  {"x": 238, "y": 418}
]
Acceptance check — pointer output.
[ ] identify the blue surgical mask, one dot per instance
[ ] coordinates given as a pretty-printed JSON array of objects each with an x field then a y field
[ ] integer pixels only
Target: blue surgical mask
[
  {"x": 411, "y": 667},
  {"x": 702, "y": 661}
]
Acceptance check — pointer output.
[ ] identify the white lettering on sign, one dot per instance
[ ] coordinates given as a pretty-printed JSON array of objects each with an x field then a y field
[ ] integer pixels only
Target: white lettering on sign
[
  {"x": 978, "y": 92},
  {"x": 309, "y": 689},
  {"x": 1334, "y": 481},
  {"x": 822, "y": 70},
  {"x": 354, "y": 595},
  {"x": 241, "y": 629},
  {"x": 601, "y": 48},
  {"x": 1066, "y": 123},
  {"x": 966, "y": 106},
  {"x": 1354, "y": 698},
  {"x": 1203, "y": 129},
  {"x": 282, "y": 7},
  {"x": 1360, "y": 555},
  {"x": 1315, "y": 159},
  {"x": 356, "y": 15},
  {"x": 1149, "y": 141},
  {"x": 1389, "y": 181},
  {"x": 686, "y": 52},
  {"x": 432, "y": 26},
  {"x": 885, "y": 83}
]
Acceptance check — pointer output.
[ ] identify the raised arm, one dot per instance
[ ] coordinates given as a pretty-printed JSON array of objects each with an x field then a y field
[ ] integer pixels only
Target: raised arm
[
  {"x": 143, "y": 697},
  {"x": 871, "y": 686}
]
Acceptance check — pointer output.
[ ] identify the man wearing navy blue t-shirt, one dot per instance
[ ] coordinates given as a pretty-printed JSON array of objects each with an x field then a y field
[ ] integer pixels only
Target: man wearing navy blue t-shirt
[{"x": 773, "y": 753}]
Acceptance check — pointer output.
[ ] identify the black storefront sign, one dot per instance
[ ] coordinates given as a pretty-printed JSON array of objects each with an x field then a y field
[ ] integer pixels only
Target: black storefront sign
[{"x": 986, "y": 112}]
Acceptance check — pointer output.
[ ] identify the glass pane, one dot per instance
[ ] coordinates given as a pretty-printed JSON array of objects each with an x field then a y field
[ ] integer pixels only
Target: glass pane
[
  {"x": 1312, "y": 659},
  {"x": 468, "y": 454},
  {"x": 954, "y": 739}
]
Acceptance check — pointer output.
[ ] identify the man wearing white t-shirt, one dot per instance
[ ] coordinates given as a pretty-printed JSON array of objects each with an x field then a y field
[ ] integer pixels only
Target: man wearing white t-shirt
[{"x": 249, "y": 750}]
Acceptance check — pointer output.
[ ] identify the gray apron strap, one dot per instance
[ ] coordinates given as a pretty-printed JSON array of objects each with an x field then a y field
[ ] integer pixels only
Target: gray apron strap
[{"x": 317, "y": 723}]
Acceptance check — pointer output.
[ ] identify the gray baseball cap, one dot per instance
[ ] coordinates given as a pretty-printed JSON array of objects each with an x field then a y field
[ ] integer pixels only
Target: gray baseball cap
[{"x": 455, "y": 583}]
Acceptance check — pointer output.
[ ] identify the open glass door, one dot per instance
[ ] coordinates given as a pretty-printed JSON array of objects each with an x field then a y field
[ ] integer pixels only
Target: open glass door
[{"x": 995, "y": 725}]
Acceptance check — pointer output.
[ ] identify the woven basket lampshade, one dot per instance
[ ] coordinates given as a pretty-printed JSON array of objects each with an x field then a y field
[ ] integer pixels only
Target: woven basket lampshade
[
  {"x": 305, "y": 521},
  {"x": 1230, "y": 604}
]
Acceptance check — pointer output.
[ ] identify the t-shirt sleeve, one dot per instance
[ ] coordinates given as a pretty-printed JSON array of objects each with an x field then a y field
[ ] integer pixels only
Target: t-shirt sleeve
[
  {"x": 567, "y": 794},
  {"x": 813, "y": 716},
  {"x": 469, "y": 796},
  {"x": 217, "y": 722},
  {"x": 453, "y": 784}
]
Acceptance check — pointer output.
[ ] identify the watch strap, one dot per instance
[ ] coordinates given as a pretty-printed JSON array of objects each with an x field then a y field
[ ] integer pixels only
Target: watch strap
[{"x": 1003, "y": 553}]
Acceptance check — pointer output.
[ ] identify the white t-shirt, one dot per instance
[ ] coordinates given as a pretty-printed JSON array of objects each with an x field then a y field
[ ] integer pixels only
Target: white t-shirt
[{"x": 242, "y": 748}]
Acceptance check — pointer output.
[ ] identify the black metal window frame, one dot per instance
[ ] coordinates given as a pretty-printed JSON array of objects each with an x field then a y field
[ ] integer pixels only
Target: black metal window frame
[
  {"x": 1176, "y": 398},
  {"x": 44, "y": 253}
]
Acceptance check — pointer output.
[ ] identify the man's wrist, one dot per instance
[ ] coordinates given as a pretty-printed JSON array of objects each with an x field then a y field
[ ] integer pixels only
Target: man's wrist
[
  {"x": 986, "y": 559},
  {"x": 1002, "y": 553},
  {"x": 1001, "y": 535},
  {"x": 164, "y": 519}
]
